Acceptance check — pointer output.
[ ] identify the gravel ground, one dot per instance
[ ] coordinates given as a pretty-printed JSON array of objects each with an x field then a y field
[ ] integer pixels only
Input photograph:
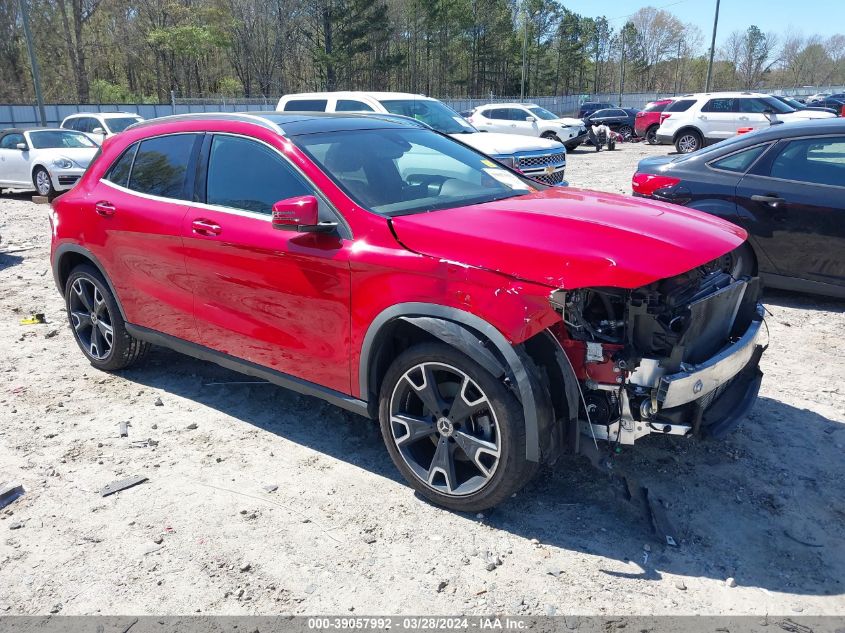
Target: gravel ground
[{"x": 261, "y": 501}]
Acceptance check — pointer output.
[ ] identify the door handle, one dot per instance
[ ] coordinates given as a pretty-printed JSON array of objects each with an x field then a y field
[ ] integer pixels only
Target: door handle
[
  {"x": 771, "y": 200},
  {"x": 205, "y": 227},
  {"x": 743, "y": 118},
  {"x": 104, "y": 208}
]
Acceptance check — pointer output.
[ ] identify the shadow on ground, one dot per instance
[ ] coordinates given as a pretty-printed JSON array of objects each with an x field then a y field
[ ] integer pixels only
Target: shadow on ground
[{"x": 764, "y": 506}]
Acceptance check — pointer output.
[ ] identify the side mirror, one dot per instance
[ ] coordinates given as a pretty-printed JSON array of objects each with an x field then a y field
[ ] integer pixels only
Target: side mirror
[
  {"x": 299, "y": 214},
  {"x": 530, "y": 119},
  {"x": 21, "y": 146},
  {"x": 98, "y": 130}
]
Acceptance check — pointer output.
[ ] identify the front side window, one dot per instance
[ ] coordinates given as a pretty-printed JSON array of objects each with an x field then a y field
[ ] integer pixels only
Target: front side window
[
  {"x": 245, "y": 174},
  {"x": 399, "y": 172},
  {"x": 60, "y": 139},
  {"x": 350, "y": 105},
  {"x": 116, "y": 124},
  {"x": 819, "y": 161},
  {"x": 161, "y": 165},
  {"x": 10, "y": 141},
  {"x": 741, "y": 161},
  {"x": 719, "y": 106},
  {"x": 542, "y": 113},
  {"x": 434, "y": 114},
  {"x": 118, "y": 173},
  {"x": 306, "y": 105}
]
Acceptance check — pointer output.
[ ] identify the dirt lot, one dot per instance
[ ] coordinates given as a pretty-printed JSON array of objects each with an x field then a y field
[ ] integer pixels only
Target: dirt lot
[{"x": 261, "y": 501}]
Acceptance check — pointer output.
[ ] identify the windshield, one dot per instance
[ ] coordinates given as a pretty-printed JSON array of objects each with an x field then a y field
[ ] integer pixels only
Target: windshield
[
  {"x": 404, "y": 171},
  {"x": 433, "y": 113},
  {"x": 542, "y": 113},
  {"x": 56, "y": 138},
  {"x": 118, "y": 125},
  {"x": 791, "y": 102}
]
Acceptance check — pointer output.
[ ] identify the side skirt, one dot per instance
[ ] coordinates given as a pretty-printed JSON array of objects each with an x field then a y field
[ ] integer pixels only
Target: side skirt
[{"x": 250, "y": 369}]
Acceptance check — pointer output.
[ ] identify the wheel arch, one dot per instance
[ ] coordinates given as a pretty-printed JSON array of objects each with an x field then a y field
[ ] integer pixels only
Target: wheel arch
[
  {"x": 67, "y": 257},
  {"x": 687, "y": 128},
  {"x": 468, "y": 333},
  {"x": 35, "y": 166}
]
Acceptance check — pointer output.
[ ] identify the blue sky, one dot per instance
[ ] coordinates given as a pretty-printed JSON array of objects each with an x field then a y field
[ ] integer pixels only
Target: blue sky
[{"x": 826, "y": 17}]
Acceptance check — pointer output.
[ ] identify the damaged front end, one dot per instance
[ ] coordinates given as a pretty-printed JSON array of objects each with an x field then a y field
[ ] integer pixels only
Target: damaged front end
[{"x": 678, "y": 357}]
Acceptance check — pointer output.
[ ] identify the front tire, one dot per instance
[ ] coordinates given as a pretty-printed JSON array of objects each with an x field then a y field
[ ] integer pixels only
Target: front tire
[
  {"x": 454, "y": 431},
  {"x": 43, "y": 183},
  {"x": 96, "y": 323},
  {"x": 688, "y": 141},
  {"x": 551, "y": 136}
]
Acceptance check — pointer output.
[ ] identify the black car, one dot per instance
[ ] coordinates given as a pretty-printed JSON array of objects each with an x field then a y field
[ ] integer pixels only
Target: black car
[
  {"x": 797, "y": 105},
  {"x": 785, "y": 185},
  {"x": 589, "y": 107},
  {"x": 832, "y": 103},
  {"x": 618, "y": 119}
]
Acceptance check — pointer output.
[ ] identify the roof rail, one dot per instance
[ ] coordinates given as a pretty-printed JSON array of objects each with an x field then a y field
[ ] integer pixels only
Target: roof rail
[{"x": 214, "y": 116}]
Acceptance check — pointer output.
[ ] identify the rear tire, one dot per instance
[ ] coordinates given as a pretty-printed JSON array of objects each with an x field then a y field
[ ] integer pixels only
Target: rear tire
[
  {"x": 626, "y": 131},
  {"x": 688, "y": 141},
  {"x": 651, "y": 135},
  {"x": 96, "y": 322},
  {"x": 439, "y": 408}
]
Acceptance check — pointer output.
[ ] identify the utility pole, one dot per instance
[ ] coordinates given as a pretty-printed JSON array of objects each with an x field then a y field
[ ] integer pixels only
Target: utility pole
[
  {"x": 33, "y": 61},
  {"x": 524, "y": 49},
  {"x": 678, "y": 70},
  {"x": 622, "y": 69},
  {"x": 712, "y": 49}
]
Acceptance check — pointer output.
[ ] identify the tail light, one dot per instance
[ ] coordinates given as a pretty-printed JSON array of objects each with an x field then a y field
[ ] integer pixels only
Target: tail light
[
  {"x": 648, "y": 184},
  {"x": 664, "y": 116},
  {"x": 640, "y": 114}
]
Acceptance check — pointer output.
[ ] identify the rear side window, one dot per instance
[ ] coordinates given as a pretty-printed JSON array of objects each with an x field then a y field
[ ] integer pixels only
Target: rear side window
[
  {"x": 719, "y": 105},
  {"x": 245, "y": 174},
  {"x": 655, "y": 107},
  {"x": 70, "y": 124},
  {"x": 350, "y": 105},
  {"x": 306, "y": 105},
  {"x": 118, "y": 173},
  {"x": 682, "y": 105},
  {"x": 741, "y": 161},
  {"x": 161, "y": 165}
]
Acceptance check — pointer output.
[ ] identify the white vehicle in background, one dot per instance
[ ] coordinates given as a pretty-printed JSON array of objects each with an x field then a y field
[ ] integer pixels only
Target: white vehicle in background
[
  {"x": 100, "y": 125},
  {"x": 48, "y": 160},
  {"x": 694, "y": 121},
  {"x": 542, "y": 159},
  {"x": 530, "y": 120}
]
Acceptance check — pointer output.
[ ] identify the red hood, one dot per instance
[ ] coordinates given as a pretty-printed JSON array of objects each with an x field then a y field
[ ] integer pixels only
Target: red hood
[{"x": 570, "y": 238}]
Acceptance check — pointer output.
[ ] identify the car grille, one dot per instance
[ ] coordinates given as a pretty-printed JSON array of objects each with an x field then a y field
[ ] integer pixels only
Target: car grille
[
  {"x": 541, "y": 161},
  {"x": 68, "y": 180},
  {"x": 550, "y": 179}
]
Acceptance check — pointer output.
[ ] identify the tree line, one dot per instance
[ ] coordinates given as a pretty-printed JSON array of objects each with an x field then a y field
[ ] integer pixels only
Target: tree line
[{"x": 140, "y": 50}]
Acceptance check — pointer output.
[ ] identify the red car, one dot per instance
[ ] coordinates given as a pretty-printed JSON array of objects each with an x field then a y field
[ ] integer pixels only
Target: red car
[
  {"x": 488, "y": 321},
  {"x": 648, "y": 120}
]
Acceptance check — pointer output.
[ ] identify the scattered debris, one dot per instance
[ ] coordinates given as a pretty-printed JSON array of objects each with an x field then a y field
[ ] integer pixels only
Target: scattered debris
[
  {"x": 442, "y": 585},
  {"x": 681, "y": 585},
  {"x": 121, "y": 484},
  {"x": 124, "y": 429},
  {"x": 369, "y": 539},
  {"x": 143, "y": 443},
  {"x": 554, "y": 570},
  {"x": 17, "y": 525},
  {"x": 245, "y": 566},
  {"x": 9, "y": 492},
  {"x": 192, "y": 426},
  {"x": 35, "y": 319},
  {"x": 158, "y": 540},
  {"x": 157, "y": 402},
  {"x": 271, "y": 487},
  {"x": 51, "y": 334},
  {"x": 730, "y": 582}
]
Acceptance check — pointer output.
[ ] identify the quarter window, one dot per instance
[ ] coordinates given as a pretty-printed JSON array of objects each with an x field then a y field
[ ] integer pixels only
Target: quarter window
[
  {"x": 819, "y": 161},
  {"x": 682, "y": 105},
  {"x": 118, "y": 173},
  {"x": 161, "y": 165},
  {"x": 244, "y": 174},
  {"x": 741, "y": 161}
]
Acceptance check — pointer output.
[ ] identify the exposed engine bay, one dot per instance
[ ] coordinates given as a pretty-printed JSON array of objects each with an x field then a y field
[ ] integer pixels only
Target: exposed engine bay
[{"x": 678, "y": 356}]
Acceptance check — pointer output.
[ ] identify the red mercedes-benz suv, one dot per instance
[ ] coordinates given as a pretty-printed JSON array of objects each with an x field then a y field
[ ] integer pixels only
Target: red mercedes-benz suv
[{"x": 489, "y": 322}]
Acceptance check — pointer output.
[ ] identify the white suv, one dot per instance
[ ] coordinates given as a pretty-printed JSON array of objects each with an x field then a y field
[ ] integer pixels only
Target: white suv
[
  {"x": 693, "y": 121},
  {"x": 530, "y": 120},
  {"x": 100, "y": 125},
  {"x": 542, "y": 159}
]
